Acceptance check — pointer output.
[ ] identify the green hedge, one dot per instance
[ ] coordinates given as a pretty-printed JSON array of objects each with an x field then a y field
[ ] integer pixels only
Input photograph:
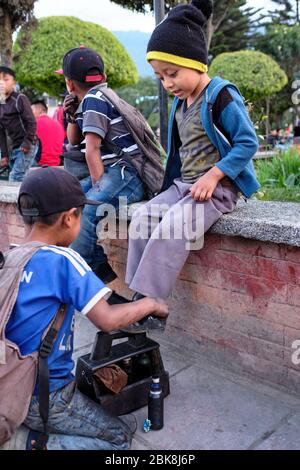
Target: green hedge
[
  {"x": 37, "y": 59},
  {"x": 256, "y": 74}
]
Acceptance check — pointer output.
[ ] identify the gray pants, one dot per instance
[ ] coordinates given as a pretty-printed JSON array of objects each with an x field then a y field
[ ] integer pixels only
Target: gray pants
[{"x": 156, "y": 259}]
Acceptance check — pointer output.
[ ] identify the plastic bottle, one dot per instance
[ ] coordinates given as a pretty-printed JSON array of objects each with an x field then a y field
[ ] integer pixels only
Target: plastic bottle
[{"x": 156, "y": 404}]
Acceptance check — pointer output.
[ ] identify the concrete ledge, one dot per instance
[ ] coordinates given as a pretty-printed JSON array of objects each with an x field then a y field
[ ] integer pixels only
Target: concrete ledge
[
  {"x": 269, "y": 221},
  {"x": 277, "y": 222},
  {"x": 9, "y": 192}
]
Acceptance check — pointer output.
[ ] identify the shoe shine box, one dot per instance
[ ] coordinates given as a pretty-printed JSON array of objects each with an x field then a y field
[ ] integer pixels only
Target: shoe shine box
[{"x": 137, "y": 355}]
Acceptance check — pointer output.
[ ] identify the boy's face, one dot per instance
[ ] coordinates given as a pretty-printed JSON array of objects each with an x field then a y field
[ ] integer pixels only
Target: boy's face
[
  {"x": 8, "y": 83},
  {"x": 179, "y": 81}
]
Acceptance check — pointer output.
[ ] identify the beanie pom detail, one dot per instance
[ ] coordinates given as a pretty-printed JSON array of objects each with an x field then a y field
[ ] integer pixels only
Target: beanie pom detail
[{"x": 205, "y": 6}]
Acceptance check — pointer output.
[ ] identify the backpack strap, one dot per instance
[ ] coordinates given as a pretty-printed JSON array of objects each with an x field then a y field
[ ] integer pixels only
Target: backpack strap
[{"x": 43, "y": 375}]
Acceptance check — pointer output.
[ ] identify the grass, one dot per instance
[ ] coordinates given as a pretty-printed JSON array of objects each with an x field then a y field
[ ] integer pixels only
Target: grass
[{"x": 279, "y": 177}]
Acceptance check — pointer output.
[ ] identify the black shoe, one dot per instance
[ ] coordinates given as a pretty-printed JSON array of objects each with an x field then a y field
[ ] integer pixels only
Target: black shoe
[
  {"x": 105, "y": 272},
  {"x": 137, "y": 296},
  {"x": 149, "y": 323},
  {"x": 117, "y": 299}
]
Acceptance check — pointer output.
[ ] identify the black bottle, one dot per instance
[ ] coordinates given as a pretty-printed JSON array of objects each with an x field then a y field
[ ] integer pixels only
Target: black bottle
[{"x": 156, "y": 404}]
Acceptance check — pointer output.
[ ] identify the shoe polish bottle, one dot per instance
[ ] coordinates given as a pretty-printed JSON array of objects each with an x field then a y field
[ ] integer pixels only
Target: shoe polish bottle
[
  {"x": 156, "y": 405},
  {"x": 127, "y": 367}
]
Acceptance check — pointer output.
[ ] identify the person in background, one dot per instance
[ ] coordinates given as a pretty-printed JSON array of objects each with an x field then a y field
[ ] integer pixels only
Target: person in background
[
  {"x": 18, "y": 122},
  {"x": 50, "y": 134}
]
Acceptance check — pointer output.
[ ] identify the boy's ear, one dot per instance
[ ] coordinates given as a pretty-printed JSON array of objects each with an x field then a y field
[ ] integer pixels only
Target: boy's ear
[
  {"x": 68, "y": 216},
  {"x": 70, "y": 85}
]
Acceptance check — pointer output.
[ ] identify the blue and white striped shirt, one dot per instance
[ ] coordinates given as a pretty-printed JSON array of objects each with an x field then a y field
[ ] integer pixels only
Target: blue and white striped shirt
[{"x": 97, "y": 115}]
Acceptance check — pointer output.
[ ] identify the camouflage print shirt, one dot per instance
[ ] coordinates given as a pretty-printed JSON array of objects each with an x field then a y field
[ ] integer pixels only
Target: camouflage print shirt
[{"x": 197, "y": 153}]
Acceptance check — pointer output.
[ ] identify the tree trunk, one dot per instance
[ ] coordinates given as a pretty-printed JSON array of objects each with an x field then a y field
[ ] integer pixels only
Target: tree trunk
[
  {"x": 6, "y": 42},
  {"x": 268, "y": 116},
  {"x": 210, "y": 29}
]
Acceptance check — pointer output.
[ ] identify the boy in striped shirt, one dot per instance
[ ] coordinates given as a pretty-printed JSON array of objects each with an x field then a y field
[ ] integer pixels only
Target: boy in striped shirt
[{"x": 93, "y": 118}]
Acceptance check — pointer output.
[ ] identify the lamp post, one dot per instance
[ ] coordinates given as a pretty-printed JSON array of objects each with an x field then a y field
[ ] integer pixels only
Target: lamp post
[{"x": 159, "y": 12}]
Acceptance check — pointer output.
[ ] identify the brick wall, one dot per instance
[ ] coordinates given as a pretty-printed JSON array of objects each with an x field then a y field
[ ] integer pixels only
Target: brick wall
[
  {"x": 240, "y": 300},
  {"x": 11, "y": 226}
]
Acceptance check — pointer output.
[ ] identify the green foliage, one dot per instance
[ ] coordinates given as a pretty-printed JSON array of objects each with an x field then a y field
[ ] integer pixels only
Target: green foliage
[
  {"x": 283, "y": 171},
  {"x": 143, "y": 95},
  {"x": 256, "y": 74},
  {"x": 236, "y": 29},
  {"x": 19, "y": 11},
  {"x": 141, "y": 6},
  {"x": 232, "y": 21},
  {"x": 279, "y": 177},
  {"x": 286, "y": 14},
  {"x": 282, "y": 42},
  {"x": 36, "y": 61},
  {"x": 278, "y": 194}
]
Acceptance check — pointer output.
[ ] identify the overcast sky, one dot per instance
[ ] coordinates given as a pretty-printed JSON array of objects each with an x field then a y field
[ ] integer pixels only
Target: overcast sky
[{"x": 107, "y": 14}]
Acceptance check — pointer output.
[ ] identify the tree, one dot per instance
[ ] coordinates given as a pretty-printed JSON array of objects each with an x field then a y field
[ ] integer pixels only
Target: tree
[
  {"x": 35, "y": 62},
  {"x": 13, "y": 13},
  {"x": 143, "y": 95},
  {"x": 287, "y": 14},
  {"x": 257, "y": 75},
  {"x": 282, "y": 42},
  {"x": 230, "y": 20}
]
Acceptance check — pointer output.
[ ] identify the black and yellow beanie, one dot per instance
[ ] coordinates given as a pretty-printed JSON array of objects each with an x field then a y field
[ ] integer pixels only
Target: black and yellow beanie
[{"x": 179, "y": 38}]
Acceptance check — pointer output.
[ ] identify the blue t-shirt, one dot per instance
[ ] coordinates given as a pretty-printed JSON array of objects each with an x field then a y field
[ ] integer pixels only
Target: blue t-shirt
[{"x": 54, "y": 275}]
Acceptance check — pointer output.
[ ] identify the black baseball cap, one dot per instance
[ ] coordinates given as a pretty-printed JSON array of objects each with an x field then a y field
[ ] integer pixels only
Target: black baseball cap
[
  {"x": 7, "y": 70},
  {"x": 53, "y": 190},
  {"x": 81, "y": 63}
]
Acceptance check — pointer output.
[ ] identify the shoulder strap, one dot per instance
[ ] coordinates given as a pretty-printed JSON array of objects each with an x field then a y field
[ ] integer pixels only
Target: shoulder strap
[{"x": 43, "y": 374}]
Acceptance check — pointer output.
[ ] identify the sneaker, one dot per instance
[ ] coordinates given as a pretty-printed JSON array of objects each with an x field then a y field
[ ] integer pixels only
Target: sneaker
[
  {"x": 105, "y": 272},
  {"x": 117, "y": 299},
  {"x": 18, "y": 439},
  {"x": 130, "y": 421}
]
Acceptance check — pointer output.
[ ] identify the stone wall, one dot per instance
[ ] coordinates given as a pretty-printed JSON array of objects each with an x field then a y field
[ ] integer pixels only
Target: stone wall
[{"x": 238, "y": 298}]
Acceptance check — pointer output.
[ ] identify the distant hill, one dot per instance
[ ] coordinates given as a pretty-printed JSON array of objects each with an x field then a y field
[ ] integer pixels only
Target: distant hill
[{"x": 135, "y": 43}]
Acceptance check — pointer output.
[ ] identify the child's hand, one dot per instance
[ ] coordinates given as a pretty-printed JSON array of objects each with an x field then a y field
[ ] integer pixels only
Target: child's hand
[
  {"x": 25, "y": 149},
  {"x": 204, "y": 187},
  {"x": 161, "y": 308},
  {"x": 70, "y": 104}
]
